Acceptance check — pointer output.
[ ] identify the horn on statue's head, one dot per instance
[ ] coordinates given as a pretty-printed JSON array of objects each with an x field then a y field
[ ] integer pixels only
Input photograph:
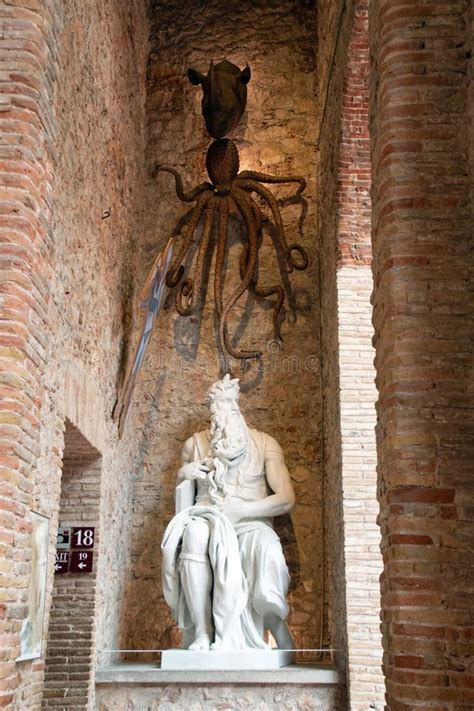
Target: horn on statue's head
[{"x": 225, "y": 389}]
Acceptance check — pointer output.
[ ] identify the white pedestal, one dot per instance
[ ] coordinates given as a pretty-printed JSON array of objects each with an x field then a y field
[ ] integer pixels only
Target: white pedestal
[{"x": 226, "y": 660}]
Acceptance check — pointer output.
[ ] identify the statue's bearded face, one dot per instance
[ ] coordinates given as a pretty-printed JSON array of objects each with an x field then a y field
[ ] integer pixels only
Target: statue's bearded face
[{"x": 229, "y": 432}]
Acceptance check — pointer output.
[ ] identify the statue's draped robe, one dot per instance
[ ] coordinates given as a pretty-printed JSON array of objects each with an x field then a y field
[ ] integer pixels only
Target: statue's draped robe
[{"x": 250, "y": 576}]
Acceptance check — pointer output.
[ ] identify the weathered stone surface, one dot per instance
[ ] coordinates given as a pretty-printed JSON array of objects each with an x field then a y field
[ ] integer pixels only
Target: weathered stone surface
[
  {"x": 277, "y": 136},
  {"x": 101, "y": 52},
  {"x": 72, "y": 153},
  {"x": 78, "y": 230},
  {"x": 220, "y": 696}
]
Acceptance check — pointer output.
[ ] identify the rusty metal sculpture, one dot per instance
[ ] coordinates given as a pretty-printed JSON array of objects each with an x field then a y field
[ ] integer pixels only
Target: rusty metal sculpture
[
  {"x": 224, "y": 96},
  {"x": 228, "y": 192},
  {"x": 232, "y": 192}
]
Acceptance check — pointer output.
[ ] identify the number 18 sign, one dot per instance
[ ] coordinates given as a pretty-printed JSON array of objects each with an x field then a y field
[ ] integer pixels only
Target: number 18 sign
[{"x": 82, "y": 537}]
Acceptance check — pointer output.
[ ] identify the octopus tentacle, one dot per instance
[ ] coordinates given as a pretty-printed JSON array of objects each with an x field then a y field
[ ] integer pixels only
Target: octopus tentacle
[
  {"x": 222, "y": 228},
  {"x": 183, "y": 295},
  {"x": 252, "y": 185},
  {"x": 264, "y": 178},
  {"x": 299, "y": 249},
  {"x": 188, "y": 294},
  {"x": 243, "y": 260},
  {"x": 276, "y": 179},
  {"x": 263, "y": 291},
  {"x": 184, "y": 197},
  {"x": 243, "y": 205},
  {"x": 258, "y": 218},
  {"x": 176, "y": 269},
  {"x": 296, "y": 200}
]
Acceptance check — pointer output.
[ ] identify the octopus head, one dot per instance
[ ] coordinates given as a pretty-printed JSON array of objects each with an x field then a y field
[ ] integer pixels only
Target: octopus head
[{"x": 222, "y": 163}]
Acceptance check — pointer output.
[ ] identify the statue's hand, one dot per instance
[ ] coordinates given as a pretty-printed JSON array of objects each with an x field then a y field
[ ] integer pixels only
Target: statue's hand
[{"x": 194, "y": 470}]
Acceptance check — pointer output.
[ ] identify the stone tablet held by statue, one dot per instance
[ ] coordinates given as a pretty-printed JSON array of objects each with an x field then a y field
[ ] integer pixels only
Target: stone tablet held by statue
[{"x": 224, "y": 573}]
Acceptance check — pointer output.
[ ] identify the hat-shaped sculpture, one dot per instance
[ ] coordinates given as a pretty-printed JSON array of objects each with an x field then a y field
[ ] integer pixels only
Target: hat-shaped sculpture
[{"x": 224, "y": 96}]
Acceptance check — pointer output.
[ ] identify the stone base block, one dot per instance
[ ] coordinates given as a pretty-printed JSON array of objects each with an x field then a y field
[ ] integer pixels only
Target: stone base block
[
  {"x": 226, "y": 660},
  {"x": 136, "y": 687}
]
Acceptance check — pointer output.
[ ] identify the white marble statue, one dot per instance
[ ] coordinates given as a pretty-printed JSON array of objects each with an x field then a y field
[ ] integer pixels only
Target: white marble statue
[{"x": 224, "y": 574}]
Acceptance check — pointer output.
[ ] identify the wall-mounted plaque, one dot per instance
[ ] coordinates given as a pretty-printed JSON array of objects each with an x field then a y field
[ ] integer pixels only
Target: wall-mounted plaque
[
  {"x": 61, "y": 563},
  {"x": 31, "y": 635},
  {"x": 81, "y": 562},
  {"x": 83, "y": 537},
  {"x": 63, "y": 539}
]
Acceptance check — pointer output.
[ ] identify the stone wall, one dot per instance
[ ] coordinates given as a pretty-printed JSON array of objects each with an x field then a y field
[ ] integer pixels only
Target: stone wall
[
  {"x": 74, "y": 160},
  {"x": 99, "y": 103},
  {"x": 277, "y": 136},
  {"x": 79, "y": 220},
  {"x": 231, "y": 697},
  {"x": 424, "y": 318},
  {"x": 332, "y": 60}
]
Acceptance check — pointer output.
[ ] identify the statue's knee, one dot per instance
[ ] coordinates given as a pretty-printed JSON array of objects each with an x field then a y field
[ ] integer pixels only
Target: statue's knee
[{"x": 196, "y": 537}]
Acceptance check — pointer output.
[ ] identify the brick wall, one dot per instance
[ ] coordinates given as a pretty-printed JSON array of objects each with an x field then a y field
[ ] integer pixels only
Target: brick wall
[
  {"x": 70, "y": 652},
  {"x": 72, "y": 144},
  {"x": 72, "y": 112},
  {"x": 25, "y": 169},
  {"x": 363, "y": 561},
  {"x": 349, "y": 420},
  {"x": 423, "y": 317},
  {"x": 354, "y": 169}
]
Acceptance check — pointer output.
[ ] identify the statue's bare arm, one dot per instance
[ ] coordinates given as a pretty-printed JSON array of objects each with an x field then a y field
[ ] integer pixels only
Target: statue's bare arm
[
  {"x": 279, "y": 479},
  {"x": 281, "y": 501}
]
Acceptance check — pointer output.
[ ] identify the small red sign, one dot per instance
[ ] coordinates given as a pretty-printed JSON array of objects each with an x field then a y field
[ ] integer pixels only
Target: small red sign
[
  {"x": 61, "y": 564},
  {"x": 81, "y": 562},
  {"x": 83, "y": 537}
]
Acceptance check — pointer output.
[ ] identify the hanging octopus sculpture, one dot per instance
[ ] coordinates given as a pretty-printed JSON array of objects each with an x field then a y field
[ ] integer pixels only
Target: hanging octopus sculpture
[{"x": 230, "y": 192}]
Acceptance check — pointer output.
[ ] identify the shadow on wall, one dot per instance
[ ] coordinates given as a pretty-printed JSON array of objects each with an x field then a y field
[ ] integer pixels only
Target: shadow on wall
[
  {"x": 278, "y": 136},
  {"x": 143, "y": 625},
  {"x": 187, "y": 329}
]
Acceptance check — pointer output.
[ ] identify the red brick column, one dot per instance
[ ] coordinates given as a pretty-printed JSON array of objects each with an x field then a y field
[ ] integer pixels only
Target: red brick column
[
  {"x": 24, "y": 273},
  {"x": 423, "y": 317},
  {"x": 354, "y": 173}
]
